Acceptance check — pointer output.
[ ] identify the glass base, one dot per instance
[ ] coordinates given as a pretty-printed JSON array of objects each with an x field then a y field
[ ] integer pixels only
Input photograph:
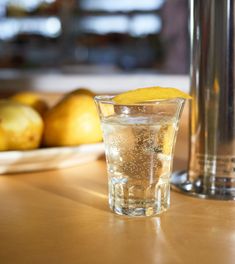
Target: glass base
[
  {"x": 182, "y": 184},
  {"x": 138, "y": 211},
  {"x": 139, "y": 201}
]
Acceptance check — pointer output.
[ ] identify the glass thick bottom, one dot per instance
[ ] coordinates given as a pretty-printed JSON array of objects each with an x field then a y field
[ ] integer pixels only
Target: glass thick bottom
[{"x": 139, "y": 200}]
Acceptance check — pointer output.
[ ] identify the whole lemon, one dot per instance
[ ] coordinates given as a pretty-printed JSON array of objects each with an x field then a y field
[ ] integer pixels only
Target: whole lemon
[
  {"x": 31, "y": 99},
  {"x": 21, "y": 127},
  {"x": 72, "y": 121}
]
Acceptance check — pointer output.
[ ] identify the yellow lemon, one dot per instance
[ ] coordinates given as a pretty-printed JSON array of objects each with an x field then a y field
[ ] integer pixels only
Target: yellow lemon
[
  {"x": 73, "y": 121},
  {"x": 149, "y": 94},
  {"x": 31, "y": 99},
  {"x": 21, "y": 126}
]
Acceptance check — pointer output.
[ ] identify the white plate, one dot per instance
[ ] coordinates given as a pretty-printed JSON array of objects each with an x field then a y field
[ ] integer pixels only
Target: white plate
[{"x": 48, "y": 158}]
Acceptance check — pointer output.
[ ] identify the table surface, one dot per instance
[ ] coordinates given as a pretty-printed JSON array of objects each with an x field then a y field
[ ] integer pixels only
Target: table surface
[{"x": 62, "y": 216}]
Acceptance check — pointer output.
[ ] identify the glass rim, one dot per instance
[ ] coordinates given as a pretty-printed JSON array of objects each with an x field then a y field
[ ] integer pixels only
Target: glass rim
[{"x": 107, "y": 99}]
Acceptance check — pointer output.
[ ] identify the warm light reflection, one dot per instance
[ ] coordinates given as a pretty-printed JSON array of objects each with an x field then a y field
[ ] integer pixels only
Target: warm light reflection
[
  {"x": 157, "y": 224},
  {"x": 92, "y": 193}
]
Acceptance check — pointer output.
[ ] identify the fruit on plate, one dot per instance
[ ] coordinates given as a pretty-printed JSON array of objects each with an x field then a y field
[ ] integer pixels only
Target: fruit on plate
[
  {"x": 31, "y": 99},
  {"x": 21, "y": 127},
  {"x": 72, "y": 121}
]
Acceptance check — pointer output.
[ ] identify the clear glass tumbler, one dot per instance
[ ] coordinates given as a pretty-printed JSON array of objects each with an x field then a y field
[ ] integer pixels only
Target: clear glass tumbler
[{"x": 139, "y": 143}]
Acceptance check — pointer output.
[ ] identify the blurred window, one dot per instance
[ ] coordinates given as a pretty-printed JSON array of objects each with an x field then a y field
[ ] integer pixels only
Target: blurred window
[
  {"x": 121, "y": 5},
  {"x": 70, "y": 35}
]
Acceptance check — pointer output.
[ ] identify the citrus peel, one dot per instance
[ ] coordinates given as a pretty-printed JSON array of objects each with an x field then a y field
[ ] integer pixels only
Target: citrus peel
[{"x": 147, "y": 94}]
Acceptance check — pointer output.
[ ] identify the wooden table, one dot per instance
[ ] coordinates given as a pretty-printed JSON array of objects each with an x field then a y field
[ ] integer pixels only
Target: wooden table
[{"x": 62, "y": 216}]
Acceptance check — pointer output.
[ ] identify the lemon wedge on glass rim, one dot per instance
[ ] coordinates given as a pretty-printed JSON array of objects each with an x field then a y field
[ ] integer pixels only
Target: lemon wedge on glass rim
[{"x": 147, "y": 94}]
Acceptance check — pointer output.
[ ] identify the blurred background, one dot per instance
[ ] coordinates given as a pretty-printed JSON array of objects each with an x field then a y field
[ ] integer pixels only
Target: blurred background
[{"x": 93, "y": 37}]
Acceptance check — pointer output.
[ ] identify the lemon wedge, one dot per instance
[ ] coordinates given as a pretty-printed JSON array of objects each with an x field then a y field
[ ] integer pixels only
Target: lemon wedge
[{"x": 149, "y": 94}]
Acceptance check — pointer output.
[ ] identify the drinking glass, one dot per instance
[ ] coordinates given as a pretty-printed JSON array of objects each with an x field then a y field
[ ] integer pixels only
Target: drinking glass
[{"x": 139, "y": 144}]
